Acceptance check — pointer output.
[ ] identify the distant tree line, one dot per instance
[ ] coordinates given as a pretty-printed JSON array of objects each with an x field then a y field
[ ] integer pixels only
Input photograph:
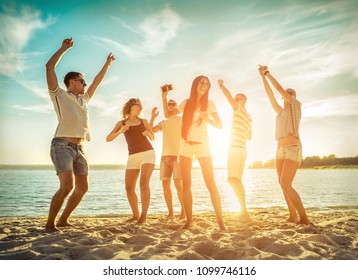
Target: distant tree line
[{"x": 331, "y": 161}]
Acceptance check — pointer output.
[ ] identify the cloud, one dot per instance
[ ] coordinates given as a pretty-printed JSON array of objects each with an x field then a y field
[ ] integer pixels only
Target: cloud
[
  {"x": 154, "y": 33},
  {"x": 346, "y": 105},
  {"x": 17, "y": 29},
  {"x": 45, "y": 108}
]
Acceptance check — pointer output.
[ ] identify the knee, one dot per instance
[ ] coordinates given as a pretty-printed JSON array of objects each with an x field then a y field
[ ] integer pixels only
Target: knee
[
  {"x": 129, "y": 188},
  {"x": 66, "y": 188},
  {"x": 232, "y": 180},
  {"x": 144, "y": 187},
  {"x": 83, "y": 189}
]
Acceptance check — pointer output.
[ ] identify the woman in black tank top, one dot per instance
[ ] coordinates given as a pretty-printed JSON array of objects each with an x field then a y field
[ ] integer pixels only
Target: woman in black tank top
[{"x": 141, "y": 159}]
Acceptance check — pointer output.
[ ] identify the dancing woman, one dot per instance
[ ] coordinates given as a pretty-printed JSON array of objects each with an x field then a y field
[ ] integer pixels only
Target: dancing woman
[
  {"x": 198, "y": 112},
  {"x": 141, "y": 159},
  {"x": 289, "y": 148}
]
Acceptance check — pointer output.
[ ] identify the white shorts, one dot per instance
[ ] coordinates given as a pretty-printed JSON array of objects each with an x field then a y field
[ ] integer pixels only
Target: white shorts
[
  {"x": 236, "y": 162},
  {"x": 196, "y": 150},
  {"x": 135, "y": 161}
]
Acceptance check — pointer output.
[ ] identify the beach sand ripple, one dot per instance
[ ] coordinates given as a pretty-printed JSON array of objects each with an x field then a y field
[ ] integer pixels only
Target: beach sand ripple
[{"x": 267, "y": 236}]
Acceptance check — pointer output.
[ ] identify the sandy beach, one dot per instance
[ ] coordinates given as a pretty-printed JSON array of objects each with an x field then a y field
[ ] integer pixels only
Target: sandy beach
[{"x": 332, "y": 236}]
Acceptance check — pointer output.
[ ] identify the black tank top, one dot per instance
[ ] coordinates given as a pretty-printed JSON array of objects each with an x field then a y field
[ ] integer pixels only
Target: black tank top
[{"x": 136, "y": 142}]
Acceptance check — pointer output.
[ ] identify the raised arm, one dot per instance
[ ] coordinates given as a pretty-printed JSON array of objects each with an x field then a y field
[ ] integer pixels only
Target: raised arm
[
  {"x": 263, "y": 70},
  {"x": 168, "y": 113},
  {"x": 117, "y": 130},
  {"x": 99, "y": 77},
  {"x": 279, "y": 88},
  {"x": 228, "y": 95},
  {"x": 52, "y": 82},
  {"x": 155, "y": 113}
]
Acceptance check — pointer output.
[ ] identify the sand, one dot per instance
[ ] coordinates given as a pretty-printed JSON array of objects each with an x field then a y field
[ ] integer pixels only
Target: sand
[{"x": 266, "y": 236}]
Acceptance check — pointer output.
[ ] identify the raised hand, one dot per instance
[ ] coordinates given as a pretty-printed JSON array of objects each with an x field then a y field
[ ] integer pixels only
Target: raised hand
[
  {"x": 110, "y": 58},
  {"x": 155, "y": 112},
  {"x": 262, "y": 69},
  {"x": 67, "y": 43},
  {"x": 220, "y": 82}
]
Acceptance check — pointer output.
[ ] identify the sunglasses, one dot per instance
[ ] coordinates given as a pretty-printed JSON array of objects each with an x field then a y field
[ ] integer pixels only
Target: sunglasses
[
  {"x": 239, "y": 98},
  {"x": 83, "y": 82},
  {"x": 172, "y": 104},
  {"x": 136, "y": 103}
]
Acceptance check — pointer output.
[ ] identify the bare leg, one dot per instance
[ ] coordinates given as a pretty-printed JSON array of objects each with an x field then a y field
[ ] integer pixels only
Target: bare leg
[
  {"x": 130, "y": 181},
  {"x": 185, "y": 167},
  {"x": 287, "y": 175},
  {"x": 168, "y": 198},
  {"x": 239, "y": 190},
  {"x": 66, "y": 185},
  {"x": 81, "y": 187},
  {"x": 208, "y": 174},
  {"x": 291, "y": 207},
  {"x": 145, "y": 174},
  {"x": 179, "y": 187}
]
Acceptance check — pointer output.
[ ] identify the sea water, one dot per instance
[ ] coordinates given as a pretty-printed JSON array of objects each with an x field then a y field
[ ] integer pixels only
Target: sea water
[{"x": 28, "y": 191}]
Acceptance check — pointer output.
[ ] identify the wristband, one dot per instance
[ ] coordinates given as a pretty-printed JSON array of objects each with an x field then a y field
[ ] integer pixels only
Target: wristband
[{"x": 266, "y": 73}]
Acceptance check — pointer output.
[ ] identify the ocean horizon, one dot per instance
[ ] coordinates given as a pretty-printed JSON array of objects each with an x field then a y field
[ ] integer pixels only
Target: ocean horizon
[{"x": 28, "y": 191}]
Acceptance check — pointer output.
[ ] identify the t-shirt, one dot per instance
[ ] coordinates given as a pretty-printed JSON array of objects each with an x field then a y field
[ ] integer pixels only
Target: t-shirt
[
  {"x": 240, "y": 128},
  {"x": 198, "y": 131},
  {"x": 171, "y": 135},
  {"x": 72, "y": 114}
]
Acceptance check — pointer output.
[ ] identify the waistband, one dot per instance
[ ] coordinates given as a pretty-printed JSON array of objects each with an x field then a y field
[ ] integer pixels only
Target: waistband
[
  {"x": 60, "y": 140},
  {"x": 193, "y": 142}
]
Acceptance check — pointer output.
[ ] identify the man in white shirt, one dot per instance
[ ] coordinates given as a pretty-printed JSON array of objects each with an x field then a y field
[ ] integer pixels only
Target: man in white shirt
[
  {"x": 67, "y": 153},
  {"x": 169, "y": 164}
]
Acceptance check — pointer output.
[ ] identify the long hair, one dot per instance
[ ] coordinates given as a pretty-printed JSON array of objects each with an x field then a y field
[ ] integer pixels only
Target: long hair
[
  {"x": 128, "y": 105},
  {"x": 187, "y": 119}
]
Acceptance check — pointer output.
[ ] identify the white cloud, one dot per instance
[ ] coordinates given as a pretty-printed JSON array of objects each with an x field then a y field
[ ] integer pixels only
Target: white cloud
[
  {"x": 44, "y": 108},
  {"x": 346, "y": 105},
  {"x": 16, "y": 31},
  {"x": 154, "y": 33}
]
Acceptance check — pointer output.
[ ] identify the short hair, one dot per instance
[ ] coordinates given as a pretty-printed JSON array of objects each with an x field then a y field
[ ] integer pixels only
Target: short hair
[
  {"x": 172, "y": 101},
  {"x": 240, "y": 95},
  {"x": 291, "y": 91},
  {"x": 71, "y": 76}
]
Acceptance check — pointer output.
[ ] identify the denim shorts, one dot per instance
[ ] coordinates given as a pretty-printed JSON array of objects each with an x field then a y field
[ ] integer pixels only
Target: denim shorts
[
  {"x": 169, "y": 165},
  {"x": 67, "y": 156},
  {"x": 291, "y": 152}
]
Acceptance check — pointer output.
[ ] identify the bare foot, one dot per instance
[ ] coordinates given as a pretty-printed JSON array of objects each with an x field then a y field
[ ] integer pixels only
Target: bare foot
[
  {"x": 304, "y": 222},
  {"x": 169, "y": 217},
  {"x": 186, "y": 226},
  {"x": 244, "y": 216},
  {"x": 142, "y": 220},
  {"x": 51, "y": 229},
  {"x": 65, "y": 224},
  {"x": 222, "y": 226},
  {"x": 131, "y": 220},
  {"x": 292, "y": 219}
]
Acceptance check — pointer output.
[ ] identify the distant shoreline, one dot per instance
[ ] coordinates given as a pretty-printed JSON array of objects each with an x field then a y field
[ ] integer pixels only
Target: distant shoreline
[{"x": 123, "y": 166}]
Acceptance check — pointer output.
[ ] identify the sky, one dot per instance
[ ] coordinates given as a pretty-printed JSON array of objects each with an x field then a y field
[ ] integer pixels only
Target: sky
[{"x": 310, "y": 46}]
